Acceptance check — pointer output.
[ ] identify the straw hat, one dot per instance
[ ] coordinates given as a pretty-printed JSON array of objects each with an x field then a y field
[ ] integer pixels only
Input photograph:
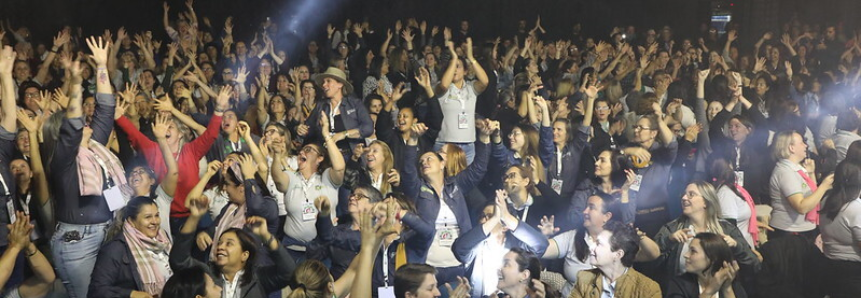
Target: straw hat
[{"x": 335, "y": 74}]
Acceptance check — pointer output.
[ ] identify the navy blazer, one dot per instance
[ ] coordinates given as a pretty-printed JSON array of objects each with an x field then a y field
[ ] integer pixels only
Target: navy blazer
[
  {"x": 353, "y": 113},
  {"x": 116, "y": 273},
  {"x": 426, "y": 199}
]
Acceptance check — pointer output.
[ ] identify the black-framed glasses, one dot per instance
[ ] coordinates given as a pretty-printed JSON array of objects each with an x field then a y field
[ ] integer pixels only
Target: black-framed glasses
[{"x": 309, "y": 149}]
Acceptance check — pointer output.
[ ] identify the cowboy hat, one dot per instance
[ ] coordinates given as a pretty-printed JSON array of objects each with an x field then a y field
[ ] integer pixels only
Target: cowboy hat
[{"x": 335, "y": 74}]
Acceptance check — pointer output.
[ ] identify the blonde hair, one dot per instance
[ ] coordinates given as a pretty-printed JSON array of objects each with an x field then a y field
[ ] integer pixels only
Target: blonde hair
[
  {"x": 312, "y": 280},
  {"x": 388, "y": 165},
  {"x": 713, "y": 213},
  {"x": 455, "y": 161},
  {"x": 782, "y": 141}
]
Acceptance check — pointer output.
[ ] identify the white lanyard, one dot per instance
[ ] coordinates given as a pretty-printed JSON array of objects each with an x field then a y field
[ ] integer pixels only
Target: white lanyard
[
  {"x": 525, "y": 213},
  {"x": 306, "y": 184},
  {"x": 376, "y": 183},
  {"x": 332, "y": 117},
  {"x": 5, "y": 186},
  {"x": 737, "y": 157},
  {"x": 236, "y": 148},
  {"x": 385, "y": 264},
  {"x": 25, "y": 204},
  {"x": 558, "y": 163}
]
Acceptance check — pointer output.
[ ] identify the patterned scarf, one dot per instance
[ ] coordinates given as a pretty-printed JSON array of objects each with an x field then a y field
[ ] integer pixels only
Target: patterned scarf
[
  {"x": 752, "y": 226},
  {"x": 234, "y": 217},
  {"x": 91, "y": 177},
  {"x": 142, "y": 247}
]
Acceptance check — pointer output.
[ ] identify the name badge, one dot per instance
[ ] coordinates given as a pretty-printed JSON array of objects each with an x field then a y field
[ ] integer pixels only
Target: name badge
[
  {"x": 462, "y": 121},
  {"x": 309, "y": 211},
  {"x": 447, "y": 236},
  {"x": 739, "y": 178},
  {"x": 637, "y": 181},
  {"x": 556, "y": 184},
  {"x": 115, "y": 198},
  {"x": 386, "y": 292}
]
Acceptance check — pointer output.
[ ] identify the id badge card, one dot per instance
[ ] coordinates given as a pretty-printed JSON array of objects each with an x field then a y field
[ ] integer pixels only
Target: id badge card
[
  {"x": 10, "y": 209},
  {"x": 637, "y": 181},
  {"x": 556, "y": 184},
  {"x": 309, "y": 212},
  {"x": 462, "y": 121},
  {"x": 115, "y": 198},
  {"x": 386, "y": 292},
  {"x": 739, "y": 178},
  {"x": 447, "y": 236}
]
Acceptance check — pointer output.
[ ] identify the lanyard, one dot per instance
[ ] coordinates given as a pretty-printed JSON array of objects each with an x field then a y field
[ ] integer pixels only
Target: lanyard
[
  {"x": 236, "y": 147},
  {"x": 558, "y": 163},
  {"x": 5, "y": 186},
  {"x": 306, "y": 184},
  {"x": 385, "y": 265},
  {"x": 109, "y": 182},
  {"x": 737, "y": 157},
  {"x": 378, "y": 182},
  {"x": 25, "y": 204},
  {"x": 332, "y": 117}
]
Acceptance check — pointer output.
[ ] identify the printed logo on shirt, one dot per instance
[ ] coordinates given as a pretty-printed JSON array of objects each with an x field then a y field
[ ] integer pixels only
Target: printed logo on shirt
[
  {"x": 427, "y": 190},
  {"x": 350, "y": 111}
]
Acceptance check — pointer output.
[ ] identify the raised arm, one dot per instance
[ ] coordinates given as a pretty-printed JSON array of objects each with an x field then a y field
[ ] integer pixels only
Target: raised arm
[
  {"x": 480, "y": 74},
  {"x": 37, "y": 168},
  {"x": 159, "y": 129},
  {"x": 7, "y": 60},
  {"x": 262, "y": 164},
  {"x": 167, "y": 105},
  {"x": 664, "y": 131},
  {"x": 448, "y": 76},
  {"x": 61, "y": 39},
  {"x": 336, "y": 174}
]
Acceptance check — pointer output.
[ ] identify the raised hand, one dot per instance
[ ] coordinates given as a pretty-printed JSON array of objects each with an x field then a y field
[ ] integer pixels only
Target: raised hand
[
  {"x": 258, "y": 227},
  {"x": 394, "y": 178},
  {"x": 100, "y": 50},
  {"x": 469, "y": 49},
  {"x": 547, "y": 226},
  {"x": 248, "y": 167},
  {"x": 681, "y": 236},
  {"x": 19, "y": 231},
  {"x": 324, "y": 206},
  {"x": 222, "y": 101},
  {"x": 163, "y": 104},
  {"x": 61, "y": 39},
  {"x": 462, "y": 290},
  {"x": 26, "y": 122},
  {"x": 213, "y": 167},
  {"x": 7, "y": 60},
  {"x": 423, "y": 78},
  {"x": 160, "y": 126},
  {"x": 241, "y": 75}
]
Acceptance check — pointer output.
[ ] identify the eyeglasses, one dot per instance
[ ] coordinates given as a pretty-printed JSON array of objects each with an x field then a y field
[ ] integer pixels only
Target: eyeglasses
[
  {"x": 309, "y": 149},
  {"x": 602, "y": 108},
  {"x": 358, "y": 197},
  {"x": 272, "y": 131},
  {"x": 227, "y": 72},
  {"x": 640, "y": 127},
  {"x": 31, "y": 95}
]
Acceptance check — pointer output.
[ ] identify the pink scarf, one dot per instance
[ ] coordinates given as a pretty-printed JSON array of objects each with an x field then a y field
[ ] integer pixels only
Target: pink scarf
[
  {"x": 234, "y": 217},
  {"x": 752, "y": 226},
  {"x": 142, "y": 247},
  {"x": 813, "y": 215},
  {"x": 91, "y": 179}
]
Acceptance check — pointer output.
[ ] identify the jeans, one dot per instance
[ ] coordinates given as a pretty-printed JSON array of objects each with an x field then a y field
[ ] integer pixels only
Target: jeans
[
  {"x": 75, "y": 257},
  {"x": 468, "y": 149}
]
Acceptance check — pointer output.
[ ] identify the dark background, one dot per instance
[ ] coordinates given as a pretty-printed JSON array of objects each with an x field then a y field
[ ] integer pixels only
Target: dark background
[{"x": 488, "y": 17}]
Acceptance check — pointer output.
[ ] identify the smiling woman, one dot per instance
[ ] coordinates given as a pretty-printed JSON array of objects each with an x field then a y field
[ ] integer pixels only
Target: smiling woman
[{"x": 143, "y": 241}]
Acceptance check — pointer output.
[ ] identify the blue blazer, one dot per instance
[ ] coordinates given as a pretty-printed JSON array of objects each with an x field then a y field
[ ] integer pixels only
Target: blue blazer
[
  {"x": 353, "y": 112},
  {"x": 426, "y": 200}
]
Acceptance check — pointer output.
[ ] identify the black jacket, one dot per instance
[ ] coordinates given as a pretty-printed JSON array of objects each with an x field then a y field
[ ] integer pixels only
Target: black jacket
[{"x": 115, "y": 273}]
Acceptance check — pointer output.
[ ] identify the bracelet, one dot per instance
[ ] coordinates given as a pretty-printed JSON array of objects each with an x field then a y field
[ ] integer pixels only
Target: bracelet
[{"x": 33, "y": 253}]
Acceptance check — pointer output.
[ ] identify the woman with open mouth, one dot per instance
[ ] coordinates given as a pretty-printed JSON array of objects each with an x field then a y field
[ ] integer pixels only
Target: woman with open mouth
[
  {"x": 441, "y": 200},
  {"x": 319, "y": 172}
]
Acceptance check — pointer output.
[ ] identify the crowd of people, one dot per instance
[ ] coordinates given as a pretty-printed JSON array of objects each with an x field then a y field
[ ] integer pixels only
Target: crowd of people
[{"x": 422, "y": 161}]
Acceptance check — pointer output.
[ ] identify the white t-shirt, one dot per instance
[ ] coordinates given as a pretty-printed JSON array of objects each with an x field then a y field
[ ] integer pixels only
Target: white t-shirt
[
  {"x": 273, "y": 189},
  {"x": 572, "y": 266},
  {"x": 299, "y": 203},
  {"x": 163, "y": 201},
  {"x": 447, "y": 230},
  {"x": 734, "y": 207},
  {"x": 217, "y": 200},
  {"x": 840, "y": 237},
  {"x": 458, "y": 105}
]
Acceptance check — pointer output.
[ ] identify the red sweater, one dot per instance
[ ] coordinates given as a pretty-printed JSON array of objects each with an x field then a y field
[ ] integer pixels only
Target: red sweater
[{"x": 188, "y": 162}]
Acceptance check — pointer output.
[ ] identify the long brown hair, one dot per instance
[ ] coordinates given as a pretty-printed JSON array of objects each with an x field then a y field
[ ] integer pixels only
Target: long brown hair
[
  {"x": 530, "y": 148},
  {"x": 311, "y": 280},
  {"x": 388, "y": 165},
  {"x": 455, "y": 161}
]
